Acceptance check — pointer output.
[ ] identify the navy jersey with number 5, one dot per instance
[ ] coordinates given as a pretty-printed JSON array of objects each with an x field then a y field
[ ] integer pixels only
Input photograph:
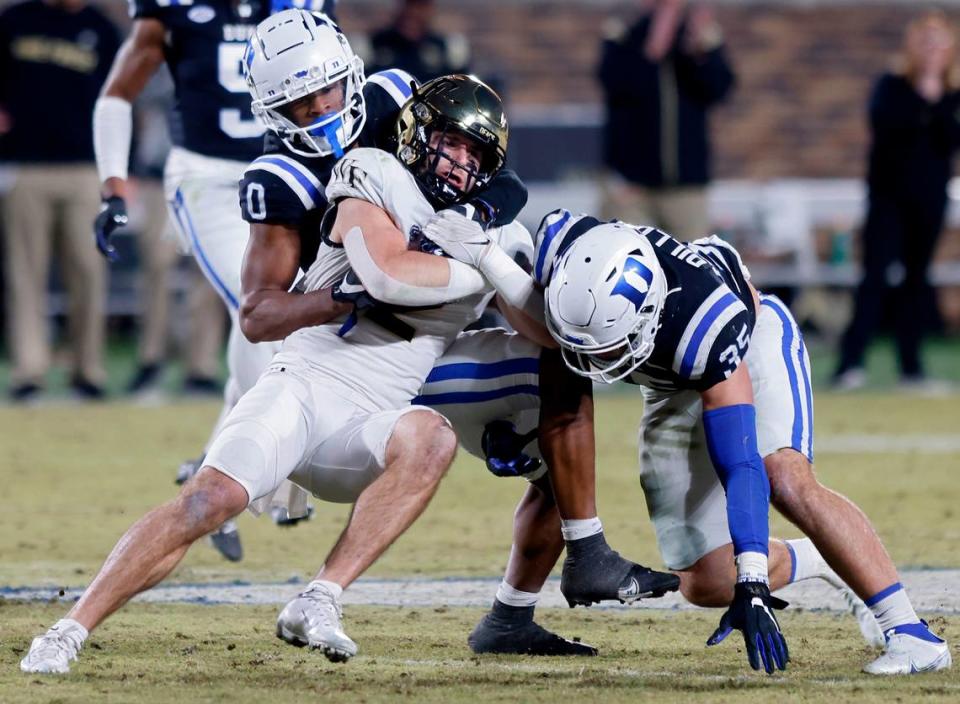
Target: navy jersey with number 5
[
  {"x": 204, "y": 45},
  {"x": 708, "y": 315}
]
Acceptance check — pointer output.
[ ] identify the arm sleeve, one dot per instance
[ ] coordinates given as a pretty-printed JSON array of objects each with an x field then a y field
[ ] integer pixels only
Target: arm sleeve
[{"x": 731, "y": 434}]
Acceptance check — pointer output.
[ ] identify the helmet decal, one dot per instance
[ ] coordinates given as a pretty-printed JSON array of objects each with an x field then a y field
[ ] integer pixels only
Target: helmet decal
[{"x": 634, "y": 282}]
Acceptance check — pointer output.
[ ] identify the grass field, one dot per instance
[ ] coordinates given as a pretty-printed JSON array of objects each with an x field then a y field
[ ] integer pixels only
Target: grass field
[{"x": 74, "y": 477}]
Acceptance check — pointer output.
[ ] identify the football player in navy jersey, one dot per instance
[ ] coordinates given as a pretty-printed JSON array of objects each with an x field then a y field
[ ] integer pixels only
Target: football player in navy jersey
[
  {"x": 215, "y": 136},
  {"x": 724, "y": 375}
]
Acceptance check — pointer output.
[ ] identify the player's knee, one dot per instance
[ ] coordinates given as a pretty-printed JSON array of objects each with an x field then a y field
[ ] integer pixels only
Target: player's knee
[
  {"x": 793, "y": 484},
  {"x": 207, "y": 500},
  {"x": 427, "y": 436},
  {"x": 701, "y": 588}
]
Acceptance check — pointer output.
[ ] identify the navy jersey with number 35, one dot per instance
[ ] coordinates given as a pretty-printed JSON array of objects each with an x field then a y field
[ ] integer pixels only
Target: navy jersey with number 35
[
  {"x": 707, "y": 318},
  {"x": 204, "y": 45}
]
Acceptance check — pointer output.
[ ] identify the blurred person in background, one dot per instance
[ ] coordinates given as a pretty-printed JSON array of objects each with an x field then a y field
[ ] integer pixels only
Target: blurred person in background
[
  {"x": 54, "y": 56},
  {"x": 915, "y": 134},
  {"x": 157, "y": 246},
  {"x": 411, "y": 44},
  {"x": 660, "y": 78}
]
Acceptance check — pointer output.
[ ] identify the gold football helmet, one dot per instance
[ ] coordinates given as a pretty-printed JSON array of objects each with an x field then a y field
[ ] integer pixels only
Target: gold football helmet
[{"x": 457, "y": 103}]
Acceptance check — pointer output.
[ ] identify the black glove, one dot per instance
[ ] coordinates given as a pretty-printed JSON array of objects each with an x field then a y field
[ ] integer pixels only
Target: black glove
[
  {"x": 503, "y": 449},
  {"x": 113, "y": 214},
  {"x": 351, "y": 290},
  {"x": 751, "y": 613}
]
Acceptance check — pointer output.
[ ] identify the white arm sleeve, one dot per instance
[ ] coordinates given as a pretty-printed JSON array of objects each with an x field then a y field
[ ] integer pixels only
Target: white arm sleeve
[
  {"x": 464, "y": 279},
  {"x": 112, "y": 130},
  {"x": 513, "y": 284}
]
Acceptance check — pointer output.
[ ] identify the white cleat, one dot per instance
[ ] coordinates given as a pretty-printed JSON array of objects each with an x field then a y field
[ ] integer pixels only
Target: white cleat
[
  {"x": 313, "y": 619},
  {"x": 907, "y": 654},
  {"x": 53, "y": 651},
  {"x": 869, "y": 628}
]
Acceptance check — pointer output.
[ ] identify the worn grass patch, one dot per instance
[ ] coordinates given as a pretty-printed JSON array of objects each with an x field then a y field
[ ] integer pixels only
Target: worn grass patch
[{"x": 165, "y": 653}]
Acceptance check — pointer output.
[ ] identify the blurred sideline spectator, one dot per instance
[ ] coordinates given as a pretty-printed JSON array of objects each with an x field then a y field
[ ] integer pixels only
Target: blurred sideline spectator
[
  {"x": 660, "y": 78},
  {"x": 411, "y": 44},
  {"x": 915, "y": 134},
  {"x": 54, "y": 56},
  {"x": 159, "y": 255}
]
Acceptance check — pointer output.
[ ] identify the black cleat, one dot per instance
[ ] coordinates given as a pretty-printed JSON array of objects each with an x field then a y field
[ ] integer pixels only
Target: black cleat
[
  {"x": 595, "y": 572},
  {"x": 281, "y": 516},
  {"x": 188, "y": 468},
  {"x": 510, "y": 630},
  {"x": 226, "y": 541}
]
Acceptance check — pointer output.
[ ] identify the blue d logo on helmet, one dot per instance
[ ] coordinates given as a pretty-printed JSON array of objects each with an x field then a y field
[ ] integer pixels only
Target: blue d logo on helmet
[{"x": 634, "y": 282}]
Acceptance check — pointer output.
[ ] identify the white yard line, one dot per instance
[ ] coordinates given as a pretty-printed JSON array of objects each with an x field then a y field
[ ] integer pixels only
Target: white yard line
[
  {"x": 882, "y": 444},
  {"x": 930, "y": 591}
]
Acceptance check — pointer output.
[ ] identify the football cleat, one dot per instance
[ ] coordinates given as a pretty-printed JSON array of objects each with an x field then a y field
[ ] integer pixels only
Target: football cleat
[
  {"x": 313, "y": 619},
  {"x": 188, "y": 468},
  {"x": 594, "y": 572},
  {"x": 911, "y": 649},
  {"x": 54, "y": 650},
  {"x": 226, "y": 541},
  {"x": 281, "y": 516},
  {"x": 496, "y": 634}
]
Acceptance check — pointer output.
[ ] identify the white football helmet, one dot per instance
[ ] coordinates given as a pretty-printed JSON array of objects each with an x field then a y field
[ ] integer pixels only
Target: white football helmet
[
  {"x": 604, "y": 301},
  {"x": 292, "y": 54}
]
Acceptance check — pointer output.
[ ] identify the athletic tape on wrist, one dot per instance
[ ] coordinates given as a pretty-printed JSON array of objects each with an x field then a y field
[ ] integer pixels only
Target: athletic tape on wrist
[{"x": 112, "y": 130}]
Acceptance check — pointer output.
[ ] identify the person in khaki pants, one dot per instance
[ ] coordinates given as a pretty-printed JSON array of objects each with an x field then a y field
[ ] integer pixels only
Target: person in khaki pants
[
  {"x": 50, "y": 207},
  {"x": 59, "y": 48}
]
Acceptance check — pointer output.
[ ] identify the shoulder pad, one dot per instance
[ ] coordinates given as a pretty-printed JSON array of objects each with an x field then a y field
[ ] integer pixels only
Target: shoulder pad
[
  {"x": 720, "y": 321},
  {"x": 720, "y": 252},
  {"x": 363, "y": 173},
  {"x": 287, "y": 188},
  {"x": 394, "y": 83},
  {"x": 557, "y": 231}
]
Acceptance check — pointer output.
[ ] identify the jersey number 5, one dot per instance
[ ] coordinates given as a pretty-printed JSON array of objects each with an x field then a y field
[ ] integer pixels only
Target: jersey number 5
[{"x": 230, "y": 74}]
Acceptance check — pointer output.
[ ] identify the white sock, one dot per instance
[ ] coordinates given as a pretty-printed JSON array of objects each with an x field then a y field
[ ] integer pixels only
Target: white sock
[
  {"x": 806, "y": 561},
  {"x": 68, "y": 624},
  {"x": 514, "y": 597},
  {"x": 578, "y": 528},
  {"x": 892, "y": 607},
  {"x": 331, "y": 587}
]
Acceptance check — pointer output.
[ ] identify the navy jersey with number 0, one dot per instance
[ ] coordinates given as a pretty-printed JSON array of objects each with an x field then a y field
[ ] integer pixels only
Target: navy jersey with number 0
[
  {"x": 204, "y": 45},
  {"x": 283, "y": 188},
  {"x": 707, "y": 318}
]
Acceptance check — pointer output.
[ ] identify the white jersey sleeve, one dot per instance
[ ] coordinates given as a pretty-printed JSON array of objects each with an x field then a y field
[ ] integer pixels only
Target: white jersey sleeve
[
  {"x": 516, "y": 241},
  {"x": 360, "y": 174}
]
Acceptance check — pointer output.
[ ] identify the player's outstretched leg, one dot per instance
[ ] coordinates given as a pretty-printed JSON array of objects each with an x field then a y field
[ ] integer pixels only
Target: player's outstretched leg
[
  {"x": 512, "y": 630},
  {"x": 847, "y": 540},
  {"x": 595, "y": 572},
  {"x": 146, "y": 553}
]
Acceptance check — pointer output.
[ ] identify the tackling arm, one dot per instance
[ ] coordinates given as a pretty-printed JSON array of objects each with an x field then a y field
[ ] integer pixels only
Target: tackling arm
[
  {"x": 268, "y": 310},
  {"x": 389, "y": 271}
]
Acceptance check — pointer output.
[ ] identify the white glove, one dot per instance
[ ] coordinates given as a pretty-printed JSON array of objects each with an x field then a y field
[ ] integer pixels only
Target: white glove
[{"x": 460, "y": 237}]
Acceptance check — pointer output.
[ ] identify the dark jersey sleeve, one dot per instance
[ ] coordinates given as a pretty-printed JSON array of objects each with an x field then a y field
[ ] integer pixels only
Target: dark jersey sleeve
[
  {"x": 503, "y": 198},
  {"x": 277, "y": 189}
]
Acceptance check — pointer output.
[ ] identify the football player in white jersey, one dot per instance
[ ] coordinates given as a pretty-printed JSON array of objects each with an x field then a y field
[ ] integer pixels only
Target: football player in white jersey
[
  {"x": 371, "y": 446},
  {"x": 715, "y": 361}
]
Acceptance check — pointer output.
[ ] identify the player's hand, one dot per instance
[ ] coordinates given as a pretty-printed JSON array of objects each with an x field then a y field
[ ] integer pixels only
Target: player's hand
[
  {"x": 503, "y": 449},
  {"x": 751, "y": 613},
  {"x": 350, "y": 290},
  {"x": 113, "y": 214},
  {"x": 459, "y": 235}
]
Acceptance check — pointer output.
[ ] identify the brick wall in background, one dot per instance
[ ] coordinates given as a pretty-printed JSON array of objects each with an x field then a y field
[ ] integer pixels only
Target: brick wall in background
[{"x": 804, "y": 72}]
